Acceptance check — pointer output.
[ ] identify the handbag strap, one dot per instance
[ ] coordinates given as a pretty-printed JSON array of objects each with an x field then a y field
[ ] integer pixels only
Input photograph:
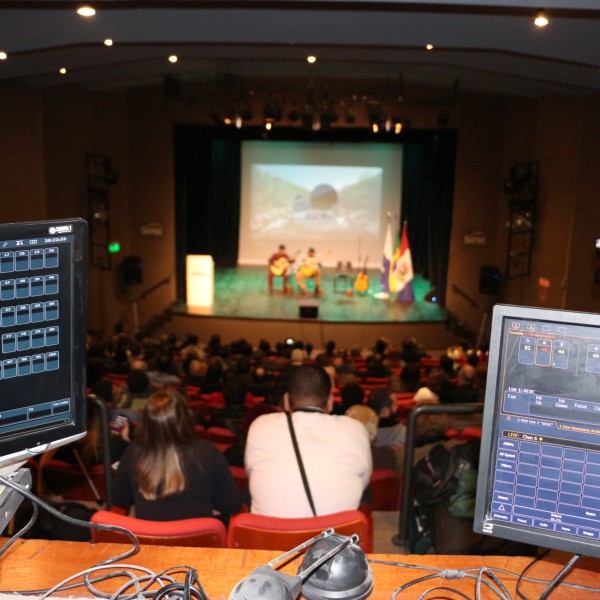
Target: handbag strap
[{"x": 300, "y": 464}]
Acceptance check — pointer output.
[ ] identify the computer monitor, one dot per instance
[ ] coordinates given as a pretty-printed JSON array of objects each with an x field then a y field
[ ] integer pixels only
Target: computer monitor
[
  {"x": 539, "y": 473},
  {"x": 43, "y": 293}
]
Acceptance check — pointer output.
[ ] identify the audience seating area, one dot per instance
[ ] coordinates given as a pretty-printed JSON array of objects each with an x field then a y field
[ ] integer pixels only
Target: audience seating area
[{"x": 216, "y": 410}]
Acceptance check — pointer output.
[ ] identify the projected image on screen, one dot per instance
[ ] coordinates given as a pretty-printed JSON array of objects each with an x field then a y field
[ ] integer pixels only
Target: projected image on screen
[
  {"x": 290, "y": 201},
  {"x": 332, "y": 196}
]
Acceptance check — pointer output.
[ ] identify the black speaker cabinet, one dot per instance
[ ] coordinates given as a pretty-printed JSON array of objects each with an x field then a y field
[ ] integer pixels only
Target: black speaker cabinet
[
  {"x": 309, "y": 309},
  {"x": 132, "y": 270},
  {"x": 489, "y": 279}
]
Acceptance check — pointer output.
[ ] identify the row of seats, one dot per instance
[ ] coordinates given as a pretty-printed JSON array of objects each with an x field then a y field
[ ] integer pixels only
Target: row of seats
[
  {"x": 68, "y": 481},
  {"x": 244, "y": 531}
]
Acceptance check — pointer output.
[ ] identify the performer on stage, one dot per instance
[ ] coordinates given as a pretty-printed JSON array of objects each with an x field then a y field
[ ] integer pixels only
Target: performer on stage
[
  {"x": 278, "y": 267},
  {"x": 310, "y": 266}
]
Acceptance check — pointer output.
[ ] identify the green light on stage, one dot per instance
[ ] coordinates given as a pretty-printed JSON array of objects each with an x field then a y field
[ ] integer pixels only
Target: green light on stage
[{"x": 114, "y": 247}]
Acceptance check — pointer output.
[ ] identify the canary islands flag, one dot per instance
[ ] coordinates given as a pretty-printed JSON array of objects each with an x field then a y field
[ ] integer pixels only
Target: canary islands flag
[{"x": 401, "y": 271}]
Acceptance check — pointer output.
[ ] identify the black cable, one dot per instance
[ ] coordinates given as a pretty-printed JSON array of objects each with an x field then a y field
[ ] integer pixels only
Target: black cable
[
  {"x": 72, "y": 521},
  {"x": 23, "y": 531},
  {"x": 560, "y": 575},
  {"x": 527, "y": 567}
]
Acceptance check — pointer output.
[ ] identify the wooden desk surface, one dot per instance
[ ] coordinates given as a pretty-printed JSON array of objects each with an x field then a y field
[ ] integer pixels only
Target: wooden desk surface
[{"x": 39, "y": 564}]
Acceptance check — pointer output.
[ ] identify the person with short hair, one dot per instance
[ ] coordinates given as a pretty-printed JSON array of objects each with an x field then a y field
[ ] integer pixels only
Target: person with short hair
[
  {"x": 335, "y": 451},
  {"x": 309, "y": 267},
  {"x": 279, "y": 263}
]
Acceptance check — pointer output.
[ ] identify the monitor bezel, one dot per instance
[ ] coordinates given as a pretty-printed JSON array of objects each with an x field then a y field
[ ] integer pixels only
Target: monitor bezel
[
  {"x": 492, "y": 402},
  {"x": 19, "y": 447}
]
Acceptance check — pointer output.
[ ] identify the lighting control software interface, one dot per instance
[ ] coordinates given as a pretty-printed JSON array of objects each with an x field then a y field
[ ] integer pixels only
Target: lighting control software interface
[
  {"x": 547, "y": 460},
  {"x": 35, "y": 332}
]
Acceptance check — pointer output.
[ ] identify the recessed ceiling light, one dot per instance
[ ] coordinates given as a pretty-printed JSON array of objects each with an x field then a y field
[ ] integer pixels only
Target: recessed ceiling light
[
  {"x": 86, "y": 11},
  {"x": 429, "y": 46},
  {"x": 541, "y": 20},
  {"x": 62, "y": 71},
  {"x": 108, "y": 42},
  {"x": 173, "y": 58},
  {"x": 311, "y": 59},
  {"x": 3, "y": 56}
]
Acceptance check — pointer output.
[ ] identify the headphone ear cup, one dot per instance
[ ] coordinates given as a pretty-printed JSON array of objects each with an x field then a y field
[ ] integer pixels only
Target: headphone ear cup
[{"x": 345, "y": 576}]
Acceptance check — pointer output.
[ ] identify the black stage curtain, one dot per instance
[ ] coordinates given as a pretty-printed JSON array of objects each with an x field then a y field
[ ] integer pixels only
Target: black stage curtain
[
  {"x": 207, "y": 192},
  {"x": 427, "y": 191}
]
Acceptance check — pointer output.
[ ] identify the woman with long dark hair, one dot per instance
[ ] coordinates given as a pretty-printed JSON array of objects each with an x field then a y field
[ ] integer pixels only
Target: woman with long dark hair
[{"x": 167, "y": 474}]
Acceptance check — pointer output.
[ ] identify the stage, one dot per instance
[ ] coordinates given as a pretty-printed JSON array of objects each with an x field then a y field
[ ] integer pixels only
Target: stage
[{"x": 243, "y": 307}]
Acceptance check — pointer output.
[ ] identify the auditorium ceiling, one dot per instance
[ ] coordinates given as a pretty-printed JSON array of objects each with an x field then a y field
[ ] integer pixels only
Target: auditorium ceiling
[{"x": 486, "y": 45}]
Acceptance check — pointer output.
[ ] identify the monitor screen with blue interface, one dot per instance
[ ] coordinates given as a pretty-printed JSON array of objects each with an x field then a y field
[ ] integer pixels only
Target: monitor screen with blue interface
[
  {"x": 539, "y": 477},
  {"x": 43, "y": 283}
]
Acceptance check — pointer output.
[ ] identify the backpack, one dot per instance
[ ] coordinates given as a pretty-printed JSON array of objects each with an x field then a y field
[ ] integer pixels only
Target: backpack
[
  {"x": 446, "y": 478},
  {"x": 447, "y": 475}
]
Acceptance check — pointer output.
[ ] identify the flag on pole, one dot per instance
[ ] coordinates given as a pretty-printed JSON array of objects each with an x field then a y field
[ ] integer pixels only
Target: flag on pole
[
  {"x": 388, "y": 253},
  {"x": 401, "y": 271}
]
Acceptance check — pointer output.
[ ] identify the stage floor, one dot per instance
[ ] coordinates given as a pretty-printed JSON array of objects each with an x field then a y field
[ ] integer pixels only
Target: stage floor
[{"x": 243, "y": 293}]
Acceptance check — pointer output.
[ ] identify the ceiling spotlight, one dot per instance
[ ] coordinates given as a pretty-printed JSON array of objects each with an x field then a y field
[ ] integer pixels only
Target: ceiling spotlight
[
  {"x": 268, "y": 125},
  {"x": 108, "y": 42},
  {"x": 429, "y": 47},
  {"x": 3, "y": 56},
  {"x": 173, "y": 58},
  {"x": 311, "y": 59},
  {"x": 238, "y": 122},
  {"x": 62, "y": 71},
  {"x": 86, "y": 11},
  {"x": 541, "y": 20}
]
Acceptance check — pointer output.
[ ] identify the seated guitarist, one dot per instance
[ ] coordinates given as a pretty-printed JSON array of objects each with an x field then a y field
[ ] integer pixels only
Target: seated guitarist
[
  {"x": 278, "y": 267},
  {"x": 310, "y": 266}
]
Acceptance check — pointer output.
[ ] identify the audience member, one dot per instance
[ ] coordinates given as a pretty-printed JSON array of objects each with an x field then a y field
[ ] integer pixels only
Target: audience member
[
  {"x": 352, "y": 393},
  {"x": 376, "y": 368},
  {"x": 134, "y": 395},
  {"x": 465, "y": 391},
  {"x": 194, "y": 372},
  {"x": 383, "y": 457},
  {"x": 411, "y": 352},
  {"x": 162, "y": 374},
  {"x": 260, "y": 386},
  {"x": 437, "y": 388},
  {"x": 410, "y": 378},
  {"x": 389, "y": 431},
  {"x": 167, "y": 474},
  {"x": 335, "y": 451}
]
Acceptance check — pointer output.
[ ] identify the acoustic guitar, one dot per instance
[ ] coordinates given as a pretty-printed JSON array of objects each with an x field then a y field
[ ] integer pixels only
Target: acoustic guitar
[
  {"x": 281, "y": 265},
  {"x": 362, "y": 279},
  {"x": 312, "y": 269}
]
